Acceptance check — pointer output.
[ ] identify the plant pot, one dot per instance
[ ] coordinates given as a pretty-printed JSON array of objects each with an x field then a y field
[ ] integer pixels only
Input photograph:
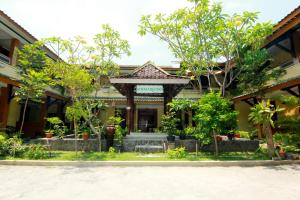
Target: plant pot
[
  {"x": 230, "y": 136},
  {"x": 49, "y": 134},
  {"x": 110, "y": 130},
  {"x": 85, "y": 136},
  {"x": 171, "y": 138},
  {"x": 237, "y": 135},
  {"x": 190, "y": 137},
  {"x": 182, "y": 137},
  {"x": 219, "y": 138}
]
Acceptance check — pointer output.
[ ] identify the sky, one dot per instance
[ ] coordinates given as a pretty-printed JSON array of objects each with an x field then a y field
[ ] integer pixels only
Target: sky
[{"x": 68, "y": 18}]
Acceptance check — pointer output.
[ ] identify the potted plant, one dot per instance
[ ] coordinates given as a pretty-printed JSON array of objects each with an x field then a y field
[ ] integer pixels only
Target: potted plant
[
  {"x": 112, "y": 122},
  {"x": 169, "y": 124},
  {"x": 118, "y": 138},
  {"x": 231, "y": 135},
  {"x": 190, "y": 132},
  {"x": 85, "y": 131},
  {"x": 55, "y": 126}
]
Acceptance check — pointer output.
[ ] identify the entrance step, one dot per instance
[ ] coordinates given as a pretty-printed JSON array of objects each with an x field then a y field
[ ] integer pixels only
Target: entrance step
[{"x": 145, "y": 142}]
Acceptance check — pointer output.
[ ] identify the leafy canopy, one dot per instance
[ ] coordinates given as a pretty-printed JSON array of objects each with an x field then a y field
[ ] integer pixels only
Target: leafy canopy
[
  {"x": 201, "y": 36},
  {"x": 214, "y": 113}
]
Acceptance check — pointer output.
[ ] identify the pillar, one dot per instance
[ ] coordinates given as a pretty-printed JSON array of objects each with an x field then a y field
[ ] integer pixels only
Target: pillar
[
  {"x": 12, "y": 51},
  {"x": 4, "y": 105},
  {"x": 130, "y": 109},
  {"x": 167, "y": 97},
  {"x": 296, "y": 44}
]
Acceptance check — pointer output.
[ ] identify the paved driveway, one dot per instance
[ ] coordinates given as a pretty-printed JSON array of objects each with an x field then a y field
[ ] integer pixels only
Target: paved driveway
[{"x": 143, "y": 183}]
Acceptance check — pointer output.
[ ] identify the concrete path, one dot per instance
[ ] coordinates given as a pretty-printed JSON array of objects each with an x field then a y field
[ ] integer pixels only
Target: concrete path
[{"x": 155, "y": 183}]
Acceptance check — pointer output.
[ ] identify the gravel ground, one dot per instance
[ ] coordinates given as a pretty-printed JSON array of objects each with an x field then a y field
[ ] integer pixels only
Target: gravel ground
[{"x": 143, "y": 183}]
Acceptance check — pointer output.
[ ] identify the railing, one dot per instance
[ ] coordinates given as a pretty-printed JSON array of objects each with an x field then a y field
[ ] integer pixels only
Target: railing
[{"x": 4, "y": 58}]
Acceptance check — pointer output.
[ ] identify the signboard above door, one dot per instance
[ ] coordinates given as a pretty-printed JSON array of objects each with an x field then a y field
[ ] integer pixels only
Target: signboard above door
[{"x": 149, "y": 89}]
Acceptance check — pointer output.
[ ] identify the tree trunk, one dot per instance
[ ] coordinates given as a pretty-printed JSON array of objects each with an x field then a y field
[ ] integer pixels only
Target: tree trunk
[
  {"x": 23, "y": 116},
  {"x": 259, "y": 134},
  {"x": 269, "y": 139},
  {"x": 75, "y": 134},
  {"x": 216, "y": 143}
]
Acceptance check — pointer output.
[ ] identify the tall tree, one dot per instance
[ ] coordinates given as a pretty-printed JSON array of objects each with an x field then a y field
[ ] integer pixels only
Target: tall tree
[
  {"x": 94, "y": 63},
  {"x": 32, "y": 88},
  {"x": 207, "y": 41},
  {"x": 31, "y": 61}
]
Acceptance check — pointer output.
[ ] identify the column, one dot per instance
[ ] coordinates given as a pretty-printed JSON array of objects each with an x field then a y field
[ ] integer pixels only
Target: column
[
  {"x": 296, "y": 41},
  {"x": 12, "y": 51},
  {"x": 167, "y": 97},
  {"x": 130, "y": 108},
  {"x": 4, "y": 105}
]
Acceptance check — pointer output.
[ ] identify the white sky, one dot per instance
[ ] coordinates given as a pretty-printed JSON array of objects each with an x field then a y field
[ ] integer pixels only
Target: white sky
[{"x": 67, "y": 18}]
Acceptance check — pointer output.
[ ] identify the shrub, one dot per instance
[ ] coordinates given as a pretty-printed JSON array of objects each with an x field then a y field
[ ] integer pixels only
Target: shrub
[
  {"x": 244, "y": 134},
  {"x": 36, "y": 151},
  {"x": 169, "y": 123},
  {"x": 119, "y": 135},
  {"x": 177, "y": 153},
  {"x": 13, "y": 147}
]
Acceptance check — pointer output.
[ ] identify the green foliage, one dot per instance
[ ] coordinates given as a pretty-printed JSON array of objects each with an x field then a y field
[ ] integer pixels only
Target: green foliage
[
  {"x": 36, "y": 151},
  {"x": 286, "y": 139},
  {"x": 32, "y": 57},
  {"x": 257, "y": 70},
  {"x": 118, "y": 137},
  {"x": 244, "y": 134},
  {"x": 56, "y": 126},
  {"x": 114, "y": 120},
  {"x": 12, "y": 147},
  {"x": 75, "y": 111},
  {"x": 189, "y": 130},
  {"x": 263, "y": 112},
  {"x": 180, "y": 105},
  {"x": 289, "y": 124},
  {"x": 290, "y": 101},
  {"x": 169, "y": 123},
  {"x": 214, "y": 113},
  {"x": 202, "y": 34},
  {"x": 33, "y": 86},
  {"x": 177, "y": 153}
]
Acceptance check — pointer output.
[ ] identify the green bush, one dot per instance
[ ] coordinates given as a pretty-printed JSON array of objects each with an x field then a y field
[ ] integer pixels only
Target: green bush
[
  {"x": 244, "y": 134},
  {"x": 36, "y": 151},
  {"x": 13, "y": 147},
  {"x": 169, "y": 123},
  {"x": 177, "y": 153}
]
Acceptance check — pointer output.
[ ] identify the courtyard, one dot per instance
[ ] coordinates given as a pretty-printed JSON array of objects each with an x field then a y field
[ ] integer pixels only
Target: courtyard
[{"x": 34, "y": 183}]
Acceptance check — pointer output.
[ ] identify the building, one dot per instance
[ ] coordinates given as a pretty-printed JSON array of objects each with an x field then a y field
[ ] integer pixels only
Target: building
[
  {"x": 284, "y": 47},
  {"x": 140, "y": 93},
  {"x": 13, "y": 36}
]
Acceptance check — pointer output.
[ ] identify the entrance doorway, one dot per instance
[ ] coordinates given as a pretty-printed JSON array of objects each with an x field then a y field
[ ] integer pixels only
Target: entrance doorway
[{"x": 147, "y": 120}]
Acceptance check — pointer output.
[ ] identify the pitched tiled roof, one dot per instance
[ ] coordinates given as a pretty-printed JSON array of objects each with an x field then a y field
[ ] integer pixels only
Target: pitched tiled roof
[{"x": 150, "y": 71}]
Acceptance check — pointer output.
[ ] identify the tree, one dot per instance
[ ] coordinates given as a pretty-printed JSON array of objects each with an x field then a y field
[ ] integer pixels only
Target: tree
[
  {"x": 91, "y": 64},
  {"x": 31, "y": 61},
  {"x": 262, "y": 113},
  {"x": 257, "y": 71},
  {"x": 32, "y": 88},
  {"x": 214, "y": 115},
  {"x": 31, "y": 57},
  {"x": 202, "y": 37}
]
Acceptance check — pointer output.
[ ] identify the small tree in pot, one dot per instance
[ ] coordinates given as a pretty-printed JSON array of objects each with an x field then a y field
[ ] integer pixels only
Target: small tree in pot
[
  {"x": 111, "y": 126},
  {"x": 169, "y": 124}
]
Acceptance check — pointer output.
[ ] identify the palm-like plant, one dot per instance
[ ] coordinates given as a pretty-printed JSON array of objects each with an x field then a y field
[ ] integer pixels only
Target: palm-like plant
[{"x": 262, "y": 113}]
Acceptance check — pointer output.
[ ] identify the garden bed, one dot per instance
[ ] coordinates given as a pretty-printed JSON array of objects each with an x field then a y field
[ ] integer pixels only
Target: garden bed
[{"x": 131, "y": 156}]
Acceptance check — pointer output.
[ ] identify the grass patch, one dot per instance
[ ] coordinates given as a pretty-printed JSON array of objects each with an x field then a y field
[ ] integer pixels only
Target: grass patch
[{"x": 132, "y": 156}]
